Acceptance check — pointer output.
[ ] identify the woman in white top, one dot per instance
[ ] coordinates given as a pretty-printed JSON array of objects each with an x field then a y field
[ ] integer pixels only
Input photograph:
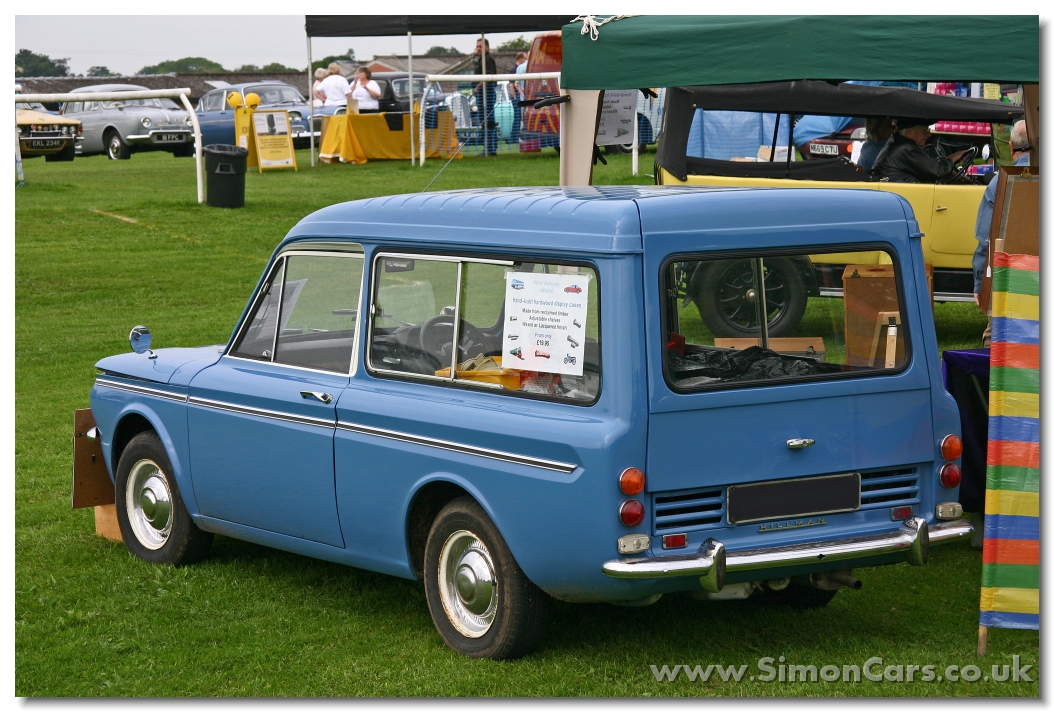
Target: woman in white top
[
  {"x": 366, "y": 91},
  {"x": 320, "y": 74},
  {"x": 334, "y": 89}
]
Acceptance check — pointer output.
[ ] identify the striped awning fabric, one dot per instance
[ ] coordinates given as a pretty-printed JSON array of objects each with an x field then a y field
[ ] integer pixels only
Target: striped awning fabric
[{"x": 1010, "y": 570}]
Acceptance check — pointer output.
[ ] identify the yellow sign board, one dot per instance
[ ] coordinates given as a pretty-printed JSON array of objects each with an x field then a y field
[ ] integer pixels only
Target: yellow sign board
[
  {"x": 273, "y": 139},
  {"x": 243, "y": 133}
]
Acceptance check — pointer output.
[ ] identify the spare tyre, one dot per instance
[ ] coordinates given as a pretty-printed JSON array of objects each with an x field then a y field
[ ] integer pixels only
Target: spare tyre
[{"x": 726, "y": 296}]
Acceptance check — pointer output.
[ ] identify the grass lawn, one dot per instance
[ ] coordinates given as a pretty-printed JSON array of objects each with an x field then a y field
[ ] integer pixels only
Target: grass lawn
[{"x": 101, "y": 246}]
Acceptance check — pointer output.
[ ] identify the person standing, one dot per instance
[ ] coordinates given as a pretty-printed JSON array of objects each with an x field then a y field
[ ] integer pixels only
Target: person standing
[
  {"x": 333, "y": 90},
  {"x": 516, "y": 94},
  {"x": 320, "y": 74},
  {"x": 485, "y": 97},
  {"x": 1020, "y": 152},
  {"x": 366, "y": 91}
]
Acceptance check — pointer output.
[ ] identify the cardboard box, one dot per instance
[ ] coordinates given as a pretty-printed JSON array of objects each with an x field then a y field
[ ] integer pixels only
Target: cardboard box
[{"x": 871, "y": 300}]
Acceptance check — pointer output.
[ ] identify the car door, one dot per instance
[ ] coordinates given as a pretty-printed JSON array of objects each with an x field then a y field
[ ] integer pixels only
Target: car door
[
  {"x": 849, "y": 396},
  {"x": 951, "y": 233},
  {"x": 92, "y": 124},
  {"x": 216, "y": 118},
  {"x": 261, "y": 420}
]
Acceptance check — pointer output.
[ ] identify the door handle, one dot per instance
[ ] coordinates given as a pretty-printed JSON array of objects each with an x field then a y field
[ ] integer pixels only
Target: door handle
[
  {"x": 941, "y": 208},
  {"x": 800, "y": 443},
  {"x": 317, "y": 395}
]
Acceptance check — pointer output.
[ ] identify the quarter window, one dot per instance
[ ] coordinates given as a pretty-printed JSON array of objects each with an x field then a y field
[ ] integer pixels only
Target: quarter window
[
  {"x": 314, "y": 325},
  {"x": 714, "y": 325},
  {"x": 520, "y": 326}
]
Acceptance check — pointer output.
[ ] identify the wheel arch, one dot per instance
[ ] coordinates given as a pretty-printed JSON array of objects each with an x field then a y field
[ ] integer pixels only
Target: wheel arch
[
  {"x": 136, "y": 418},
  {"x": 426, "y": 501}
]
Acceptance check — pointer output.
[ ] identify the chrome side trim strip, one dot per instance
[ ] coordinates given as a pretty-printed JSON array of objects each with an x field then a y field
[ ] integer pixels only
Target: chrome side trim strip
[
  {"x": 142, "y": 390},
  {"x": 459, "y": 447},
  {"x": 262, "y": 412},
  {"x": 912, "y": 539}
]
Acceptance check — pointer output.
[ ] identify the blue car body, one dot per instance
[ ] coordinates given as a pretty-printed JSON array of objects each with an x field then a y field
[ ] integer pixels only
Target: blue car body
[
  {"x": 339, "y": 481},
  {"x": 216, "y": 117}
]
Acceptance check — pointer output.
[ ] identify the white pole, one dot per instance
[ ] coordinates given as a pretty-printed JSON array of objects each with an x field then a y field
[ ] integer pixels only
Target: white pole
[
  {"x": 18, "y": 158},
  {"x": 197, "y": 147},
  {"x": 483, "y": 87},
  {"x": 310, "y": 102},
  {"x": 410, "y": 71},
  {"x": 636, "y": 140},
  {"x": 421, "y": 126}
]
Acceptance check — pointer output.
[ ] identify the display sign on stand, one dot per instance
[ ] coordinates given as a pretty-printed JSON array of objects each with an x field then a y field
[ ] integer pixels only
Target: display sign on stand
[
  {"x": 545, "y": 328},
  {"x": 616, "y": 117},
  {"x": 274, "y": 142}
]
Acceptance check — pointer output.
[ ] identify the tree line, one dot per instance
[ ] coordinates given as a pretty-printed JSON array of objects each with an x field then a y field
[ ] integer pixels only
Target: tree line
[{"x": 31, "y": 64}]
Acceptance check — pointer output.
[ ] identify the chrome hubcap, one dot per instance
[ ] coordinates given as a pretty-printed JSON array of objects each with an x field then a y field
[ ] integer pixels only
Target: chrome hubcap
[
  {"x": 467, "y": 584},
  {"x": 115, "y": 147},
  {"x": 148, "y": 500}
]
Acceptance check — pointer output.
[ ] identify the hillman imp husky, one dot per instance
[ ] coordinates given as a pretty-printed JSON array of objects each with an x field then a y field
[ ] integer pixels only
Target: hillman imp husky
[{"x": 361, "y": 411}]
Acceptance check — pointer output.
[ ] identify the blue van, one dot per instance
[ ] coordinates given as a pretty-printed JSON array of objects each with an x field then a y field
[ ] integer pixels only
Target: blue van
[{"x": 618, "y": 452}]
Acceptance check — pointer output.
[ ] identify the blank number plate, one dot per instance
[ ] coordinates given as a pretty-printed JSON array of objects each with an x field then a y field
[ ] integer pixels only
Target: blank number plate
[{"x": 793, "y": 498}]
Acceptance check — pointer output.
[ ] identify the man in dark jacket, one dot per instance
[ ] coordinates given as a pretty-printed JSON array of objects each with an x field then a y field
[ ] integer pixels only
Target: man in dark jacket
[
  {"x": 902, "y": 159},
  {"x": 485, "y": 97}
]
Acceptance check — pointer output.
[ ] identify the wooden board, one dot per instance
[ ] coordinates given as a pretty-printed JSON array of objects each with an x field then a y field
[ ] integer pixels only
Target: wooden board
[
  {"x": 870, "y": 293},
  {"x": 106, "y": 522},
  {"x": 91, "y": 481},
  {"x": 1015, "y": 220}
]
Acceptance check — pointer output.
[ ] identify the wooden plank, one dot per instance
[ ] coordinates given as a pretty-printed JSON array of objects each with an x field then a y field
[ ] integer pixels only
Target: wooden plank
[
  {"x": 1015, "y": 221},
  {"x": 91, "y": 481},
  {"x": 106, "y": 522}
]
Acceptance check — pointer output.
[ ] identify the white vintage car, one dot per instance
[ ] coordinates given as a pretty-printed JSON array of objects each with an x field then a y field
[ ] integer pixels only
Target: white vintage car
[{"x": 120, "y": 128}]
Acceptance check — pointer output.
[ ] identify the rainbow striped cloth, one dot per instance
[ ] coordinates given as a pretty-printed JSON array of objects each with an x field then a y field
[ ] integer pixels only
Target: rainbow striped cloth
[{"x": 1010, "y": 570}]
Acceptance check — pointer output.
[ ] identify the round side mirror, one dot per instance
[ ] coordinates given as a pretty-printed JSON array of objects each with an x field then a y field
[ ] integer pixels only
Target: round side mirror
[
  {"x": 986, "y": 152},
  {"x": 140, "y": 339}
]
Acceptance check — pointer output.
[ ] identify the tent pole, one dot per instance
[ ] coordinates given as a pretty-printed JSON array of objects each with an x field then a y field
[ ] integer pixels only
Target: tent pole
[
  {"x": 310, "y": 103},
  {"x": 410, "y": 71},
  {"x": 483, "y": 90},
  {"x": 636, "y": 137},
  {"x": 775, "y": 135}
]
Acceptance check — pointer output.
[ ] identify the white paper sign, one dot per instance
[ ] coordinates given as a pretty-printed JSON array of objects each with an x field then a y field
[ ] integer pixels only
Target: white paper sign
[
  {"x": 545, "y": 322},
  {"x": 616, "y": 117}
]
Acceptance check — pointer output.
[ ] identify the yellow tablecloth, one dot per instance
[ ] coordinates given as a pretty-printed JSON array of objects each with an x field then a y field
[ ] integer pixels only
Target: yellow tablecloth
[{"x": 362, "y": 137}]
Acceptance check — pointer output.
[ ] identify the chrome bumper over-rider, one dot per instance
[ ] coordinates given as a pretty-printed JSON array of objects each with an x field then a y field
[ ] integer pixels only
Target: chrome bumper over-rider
[{"x": 711, "y": 562}]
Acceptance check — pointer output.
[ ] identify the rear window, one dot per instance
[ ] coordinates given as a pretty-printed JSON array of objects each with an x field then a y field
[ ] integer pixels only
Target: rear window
[{"x": 714, "y": 328}]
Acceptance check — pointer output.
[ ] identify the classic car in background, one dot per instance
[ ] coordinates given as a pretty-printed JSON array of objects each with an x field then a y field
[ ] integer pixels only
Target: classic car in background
[
  {"x": 216, "y": 117},
  {"x": 372, "y": 408},
  {"x": 121, "y": 128},
  {"x": 41, "y": 133}
]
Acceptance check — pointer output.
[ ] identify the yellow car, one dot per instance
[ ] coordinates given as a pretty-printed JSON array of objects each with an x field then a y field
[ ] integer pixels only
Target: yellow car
[
  {"x": 946, "y": 213},
  {"x": 44, "y": 134}
]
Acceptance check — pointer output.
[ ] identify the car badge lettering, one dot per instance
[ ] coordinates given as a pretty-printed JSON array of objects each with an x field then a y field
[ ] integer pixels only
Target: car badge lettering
[{"x": 793, "y": 524}]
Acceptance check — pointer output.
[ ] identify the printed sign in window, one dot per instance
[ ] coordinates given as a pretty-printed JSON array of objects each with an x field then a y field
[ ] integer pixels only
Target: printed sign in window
[{"x": 545, "y": 322}]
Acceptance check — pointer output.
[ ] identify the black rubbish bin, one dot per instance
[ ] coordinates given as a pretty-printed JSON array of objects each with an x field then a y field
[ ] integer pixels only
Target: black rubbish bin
[{"x": 225, "y": 167}]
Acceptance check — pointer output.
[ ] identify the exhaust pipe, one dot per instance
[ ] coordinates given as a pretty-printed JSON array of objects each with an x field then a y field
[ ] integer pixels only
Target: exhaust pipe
[{"x": 843, "y": 578}]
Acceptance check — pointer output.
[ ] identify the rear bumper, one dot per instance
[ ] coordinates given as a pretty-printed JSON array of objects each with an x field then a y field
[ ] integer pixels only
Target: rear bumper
[{"x": 711, "y": 561}]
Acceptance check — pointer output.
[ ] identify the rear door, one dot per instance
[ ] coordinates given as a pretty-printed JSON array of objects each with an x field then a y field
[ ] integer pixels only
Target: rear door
[{"x": 853, "y": 400}]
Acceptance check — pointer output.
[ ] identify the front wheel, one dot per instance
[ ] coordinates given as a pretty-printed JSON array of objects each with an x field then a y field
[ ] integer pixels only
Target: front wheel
[
  {"x": 725, "y": 294},
  {"x": 482, "y": 604},
  {"x": 66, "y": 154},
  {"x": 154, "y": 522},
  {"x": 116, "y": 148}
]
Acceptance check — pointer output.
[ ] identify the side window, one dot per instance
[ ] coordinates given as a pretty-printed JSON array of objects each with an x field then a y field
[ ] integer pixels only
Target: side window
[
  {"x": 523, "y": 327},
  {"x": 320, "y": 308},
  {"x": 257, "y": 339},
  {"x": 72, "y": 108},
  {"x": 213, "y": 101},
  {"x": 315, "y": 325},
  {"x": 713, "y": 316}
]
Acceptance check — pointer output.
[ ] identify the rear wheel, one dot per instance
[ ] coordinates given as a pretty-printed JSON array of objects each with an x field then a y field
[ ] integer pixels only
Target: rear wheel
[
  {"x": 116, "y": 148},
  {"x": 154, "y": 522},
  {"x": 482, "y": 604},
  {"x": 725, "y": 294}
]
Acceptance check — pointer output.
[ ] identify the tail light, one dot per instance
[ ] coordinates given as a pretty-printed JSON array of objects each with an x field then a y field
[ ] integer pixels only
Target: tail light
[
  {"x": 631, "y": 481},
  {"x": 951, "y": 475},
  {"x": 951, "y": 447},
  {"x": 631, "y": 512}
]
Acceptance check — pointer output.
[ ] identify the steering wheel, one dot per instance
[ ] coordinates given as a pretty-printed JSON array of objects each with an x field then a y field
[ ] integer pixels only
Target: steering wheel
[
  {"x": 437, "y": 332},
  {"x": 963, "y": 164}
]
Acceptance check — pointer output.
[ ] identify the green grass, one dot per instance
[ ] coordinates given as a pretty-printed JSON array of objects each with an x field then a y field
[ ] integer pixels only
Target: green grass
[{"x": 92, "y": 620}]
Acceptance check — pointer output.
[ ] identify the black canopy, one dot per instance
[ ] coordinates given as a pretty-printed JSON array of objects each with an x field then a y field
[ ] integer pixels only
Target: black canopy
[
  {"x": 390, "y": 25},
  {"x": 861, "y": 100}
]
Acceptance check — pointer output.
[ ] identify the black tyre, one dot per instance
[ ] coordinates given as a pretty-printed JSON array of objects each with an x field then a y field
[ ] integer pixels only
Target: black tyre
[
  {"x": 66, "y": 154},
  {"x": 154, "y": 523},
  {"x": 184, "y": 151},
  {"x": 801, "y": 596},
  {"x": 481, "y": 602},
  {"x": 724, "y": 293},
  {"x": 116, "y": 148}
]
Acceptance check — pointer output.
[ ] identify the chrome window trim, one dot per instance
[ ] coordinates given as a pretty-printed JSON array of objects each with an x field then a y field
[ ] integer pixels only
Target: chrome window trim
[
  {"x": 317, "y": 247},
  {"x": 440, "y": 258},
  {"x": 281, "y": 260},
  {"x": 563, "y": 467},
  {"x": 142, "y": 390},
  {"x": 261, "y": 412}
]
